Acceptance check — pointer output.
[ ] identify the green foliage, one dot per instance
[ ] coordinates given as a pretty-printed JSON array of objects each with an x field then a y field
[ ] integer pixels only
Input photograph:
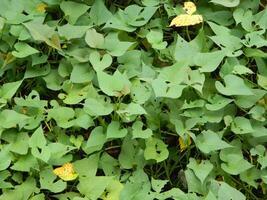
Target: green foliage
[{"x": 140, "y": 109}]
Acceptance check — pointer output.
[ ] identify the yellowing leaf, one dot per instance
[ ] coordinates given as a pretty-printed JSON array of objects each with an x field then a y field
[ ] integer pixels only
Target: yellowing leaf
[
  {"x": 186, "y": 20},
  {"x": 189, "y": 7},
  {"x": 8, "y": 58},
  {"x": 41, "y": 7},
  {"x": 184, "y": 143},
  {"x": 112, "y": 191},
  {"x": 262, "y": 102},
  {"x": 55, "y": 42},
  {"x": 66, "y": 172}
]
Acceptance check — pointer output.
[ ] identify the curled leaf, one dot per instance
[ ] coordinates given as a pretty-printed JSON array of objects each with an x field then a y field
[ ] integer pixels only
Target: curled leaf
[{"x": 66, "y": 172}]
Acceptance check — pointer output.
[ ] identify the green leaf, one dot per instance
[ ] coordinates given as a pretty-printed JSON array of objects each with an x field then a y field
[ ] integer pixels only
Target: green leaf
[
  {"x": 62, "y": 115},
  {"x": 112, "y": 190},
  {"x": 47, "y": 181},
  {"x": 233, "y": 86},
  {"x": 252, "y": 52},
  {"x": 262, "y": 81},
  {"x": 37, "y": 71},
  {"x": 73, "y": 10},
  {"x": 234, "y": 163},
  {"x": 155, "y": 37},
  {"x": 127, "y": 157},
  {"x": 209, "y": 141},
  {"x": 140, "y": 92},
  {"x": 94, "y": 39},
  {"x": 248, "y": 101},
  {"x": 93, "y": 191},
  {"x": 195, "y": 79},
  {"x": 38, "y": 197},
  {"x": 185, "y": 51},
  {"x": 164, "y": 89},
  {"x": 81, "y": 73},
  {"x": 37, "y": 139},
  {"x": 115, "y": 46},
  {"x": 98, "y": 106},
  {"x": 38, "y": 146},
  {"x": 96, "y": 140},
  {"x": 26, "y": 163},
  {"x": 75, "y": 93},
  {"x": 193, "y": 183},
  {"x": 5, "y": 156},
  {"x": 109, "y": 164},
  {"x": 70, "y": 32},
  {"x": 2, "y": 22},
  {"x": 20, "y": 32},
  {"x": 11, "y": 118},
  {"x": 218, "y": 102},
  {"x": 113, "y": 85},
  {"x": 241, "y": 125},
  {"x": 23, "y": 50},
  {"x": 18, "y": 141},
  {"x": 25, "y": 190},
  {"x": 139, "y": 132},
  {"x": 8, "y": 90},
  {"x": 241, "y": 69},
  {"x": 228, "y": 42},
  {"x": 251, "y": 176},
  {"x": 226, "y": 192},
  {"x": 158, "y": 185},
  {"x": 226, "y": 3},
  {"x": 58, "y": 153},
  {"x": 87, "y": 167},
  {"x": 133, "y": 16},
  {"x": 127, "y": 111},
  {"x": 255, "y": 39},
  {"x": 114, "y": 131},
  {"x": 137, "y": 187},
  {"x": 245, "y": 17},
  {"x": 156, "y": 149},
  {"x": 53, "y": 80},
  {"x": 80, "y": 55},
  {"x": 258, "y": 113},
  {"x": 99, "y": 13},
  {"x": 99, "y": 64},
  {"x": 260, "y": 19},
  {"x": 43, "y": 32},
  {"x": 209, "y": 61},
  {"x": 202, "y": 169}
]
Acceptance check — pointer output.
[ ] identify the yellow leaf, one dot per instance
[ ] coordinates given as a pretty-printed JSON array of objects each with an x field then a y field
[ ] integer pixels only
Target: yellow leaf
[
  {"x": 186, "y": 20},
  {"x": 41, "y": 7},
  {"x": 184, "y": 143},
  {"x": 189, "y": 7},
  {"x": 66, "y": 172}
]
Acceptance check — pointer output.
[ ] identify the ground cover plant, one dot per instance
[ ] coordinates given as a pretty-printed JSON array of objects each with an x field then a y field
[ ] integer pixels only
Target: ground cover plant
[{"x": 133, "y": 99}]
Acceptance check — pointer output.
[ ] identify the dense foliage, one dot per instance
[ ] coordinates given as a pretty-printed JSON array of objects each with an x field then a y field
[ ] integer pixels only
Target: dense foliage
[{"x": 104, "y": 100}]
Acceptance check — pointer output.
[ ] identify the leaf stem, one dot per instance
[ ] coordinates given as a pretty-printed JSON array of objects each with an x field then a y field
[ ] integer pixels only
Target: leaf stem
[{"x": 187, "y": 33}]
